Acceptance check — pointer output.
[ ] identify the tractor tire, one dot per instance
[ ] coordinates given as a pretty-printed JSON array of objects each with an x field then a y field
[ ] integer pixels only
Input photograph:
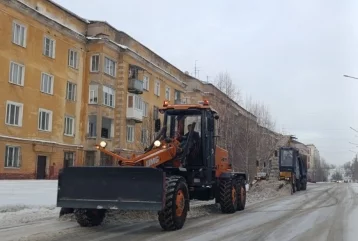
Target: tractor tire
[
  {"x": 241, "y": 197},
  {"x": 304, "y": 186},
  {"x": 89, "y": 217},
  {"x": 293, "y": 187},
  {"x": 176, "y": 208},
  {"x": 228, "y": 196},
  {"x": 298, "y": 185}
]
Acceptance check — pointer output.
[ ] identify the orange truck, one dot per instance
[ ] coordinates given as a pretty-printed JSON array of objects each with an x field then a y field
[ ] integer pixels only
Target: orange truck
[{"x": 180, "y": 165}]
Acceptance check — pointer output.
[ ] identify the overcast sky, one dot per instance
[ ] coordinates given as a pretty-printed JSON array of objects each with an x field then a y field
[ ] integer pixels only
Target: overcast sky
[{"x": 291, "y": 55}]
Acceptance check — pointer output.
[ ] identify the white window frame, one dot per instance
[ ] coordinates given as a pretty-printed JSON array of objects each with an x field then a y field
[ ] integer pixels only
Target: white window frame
[
  {"x": 14, "y": 65},
  {"x": 98, "y": 63},
  {"x": 130, "y": 133},
  {"x": 65, "y": 131},
  {"x": 109, "y": 92},
  {"x": 74, "y": 91},
  {"x": 145, "y": 108},
  {"x": 49, "y": 112},
  {"x": 6, "y": 158},
  {"x": 42, "y": 86},
  {"x": 52, "y": 52},
  {"x": 146, "y": 83},
  {"x": 157, "y": 88},
  {"x": 93, "y": 94},
  {"x": 21, "y": 110},
  {"x": 138, "y": 102},
  {"x": 167, "y": 94},
  {"x": 19, "y": 40},
  {"x": 107, "y": 70},
  {"x": 73, "y": 63}
]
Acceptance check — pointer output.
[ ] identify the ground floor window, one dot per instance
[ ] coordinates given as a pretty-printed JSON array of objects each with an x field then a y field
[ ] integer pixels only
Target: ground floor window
[
  {"x": 106, "y": 160},
  {"x": 90, "y": 158},
  {"x": 69, "y": 159},
  {"x": 12, "y": 156}
]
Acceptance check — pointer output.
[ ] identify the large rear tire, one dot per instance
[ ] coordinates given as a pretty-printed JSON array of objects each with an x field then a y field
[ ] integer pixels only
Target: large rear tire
[
  {"x": 241, "y": 196},
  {"x": 89, "y": 217},
  {"x": 174, "y": 214},
  {"x": 228, "y": 196}
]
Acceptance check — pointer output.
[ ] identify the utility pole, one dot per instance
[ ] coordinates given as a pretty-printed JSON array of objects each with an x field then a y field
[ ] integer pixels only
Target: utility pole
[{"x": 195, "y": 68}]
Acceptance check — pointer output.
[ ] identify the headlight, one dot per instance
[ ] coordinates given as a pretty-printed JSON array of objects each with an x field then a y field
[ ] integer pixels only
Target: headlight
[
  {"x": 103, "y": 144},
  {"x": 157, "y": 143}
]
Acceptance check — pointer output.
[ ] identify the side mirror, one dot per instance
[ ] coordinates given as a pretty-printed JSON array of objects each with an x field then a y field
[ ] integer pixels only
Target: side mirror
[
  {"x": 210, "y": 124},
  {"x": 157, "y": 125},
  {"x": 216, "y": 117}
]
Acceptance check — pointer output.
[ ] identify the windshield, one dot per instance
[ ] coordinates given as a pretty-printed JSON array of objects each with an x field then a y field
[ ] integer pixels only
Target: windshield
[
  {"x": 286, "y": 157},
  {"x": 178, "y": 122}
]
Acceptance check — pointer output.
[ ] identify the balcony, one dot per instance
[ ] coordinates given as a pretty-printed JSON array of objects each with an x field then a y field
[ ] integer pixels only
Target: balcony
[
  {"x": 135, "y": 86},
  {"x": 135, "y": 114}
]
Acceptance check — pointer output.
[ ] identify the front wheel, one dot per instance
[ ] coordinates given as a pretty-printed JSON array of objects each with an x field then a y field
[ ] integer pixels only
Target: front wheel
[
  {"x": 89, "y": 217},
  {"x": 174, "y": 214}
]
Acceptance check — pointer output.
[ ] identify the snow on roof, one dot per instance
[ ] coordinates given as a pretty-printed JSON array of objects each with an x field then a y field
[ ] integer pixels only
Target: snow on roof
[
  {"x": 131, "y": 50},
  {"x": 52, "y": 18},
  {"x": 39, "y": 140},
  {"x": 68, "y": 11}
]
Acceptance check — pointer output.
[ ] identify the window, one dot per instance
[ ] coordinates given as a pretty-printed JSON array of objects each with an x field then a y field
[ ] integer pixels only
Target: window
[
  {"x": 108, "y": 96},
  {"x": 49, "y": 47},
  {"x": 146, "y": 83},
  {"x": 109, "y": 67},
  {"x": 135, "y": 101},
  {"x": 92, "y": 126},
  {"x": 155, "y": 113},
  {"x": 73, "y": 58},
  {"x": 138, "y": 103},
  {"x": 93, "y": 94},
  {"x": 94, "y": 63},
  {"x": 71, "y": 91},
  {"x": 12, "y": 156},
  {"x": 177, "y": 95},
  {"x": 17, "y": 73},
  {"x": 144, "y": 137},
  {"x": 47, "y": 83},
  {"x": 157, "y": 88},
  {"x": 69, "y": 159},
  {"x": 19, "y": 34},
  {"x": 69, "y": 126},
  {"x": 145, "y": 109},
  {"x": 14, "y": 113},
  {"x": 107, "y": 128},
  {"x": 90, "y": 158},
  {"x": 167, "y": 93},
  {"x": 45, "y": 120},
  {"x": 130, "y": 133}
]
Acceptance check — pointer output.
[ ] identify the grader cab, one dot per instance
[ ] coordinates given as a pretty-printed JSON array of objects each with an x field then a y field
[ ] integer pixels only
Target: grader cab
[{"x": 183, "y": 163}]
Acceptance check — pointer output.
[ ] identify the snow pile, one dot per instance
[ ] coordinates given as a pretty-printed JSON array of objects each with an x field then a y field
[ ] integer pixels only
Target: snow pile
[
  {"x": 197, "y": 209},
  {"x": 267, "y": 189},
  {"x": 23, "y": 201}
]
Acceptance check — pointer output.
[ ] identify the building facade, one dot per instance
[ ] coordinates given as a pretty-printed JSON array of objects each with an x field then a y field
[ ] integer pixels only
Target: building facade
[
  {"x": 41, "y": 77},
  {"x": 313, "y": 161}
]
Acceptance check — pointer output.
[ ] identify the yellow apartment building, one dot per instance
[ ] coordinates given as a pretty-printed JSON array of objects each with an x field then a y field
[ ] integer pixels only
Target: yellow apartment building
[
  {"x": 135, "y": 81},
  {"x": 42, "y": 70},
  {"x": 69, "y": 83}
]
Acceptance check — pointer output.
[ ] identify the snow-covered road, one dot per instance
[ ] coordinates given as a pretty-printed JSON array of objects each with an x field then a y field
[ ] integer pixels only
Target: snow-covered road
[{"x": 326, "y": 211}]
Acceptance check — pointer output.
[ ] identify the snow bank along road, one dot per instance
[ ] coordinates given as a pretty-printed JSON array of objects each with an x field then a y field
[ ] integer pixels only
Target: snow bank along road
[{"x": 326, "y": 211}]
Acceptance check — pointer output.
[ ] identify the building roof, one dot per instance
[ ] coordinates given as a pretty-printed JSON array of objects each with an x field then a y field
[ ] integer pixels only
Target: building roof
[{"x": 68, "y": 11}]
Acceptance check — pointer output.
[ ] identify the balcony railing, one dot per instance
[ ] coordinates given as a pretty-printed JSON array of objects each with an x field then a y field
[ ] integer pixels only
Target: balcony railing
[
  {"x": 134, "y": 114},
  {"x": 135, "y": 86}
]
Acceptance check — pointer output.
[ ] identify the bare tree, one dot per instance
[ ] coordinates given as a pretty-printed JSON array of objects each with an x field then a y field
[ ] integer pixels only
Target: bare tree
[{"x": 223, "y": 82}]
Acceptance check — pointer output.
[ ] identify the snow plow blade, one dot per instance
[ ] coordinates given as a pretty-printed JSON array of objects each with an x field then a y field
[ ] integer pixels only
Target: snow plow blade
[{"x": 124, "y": 188}]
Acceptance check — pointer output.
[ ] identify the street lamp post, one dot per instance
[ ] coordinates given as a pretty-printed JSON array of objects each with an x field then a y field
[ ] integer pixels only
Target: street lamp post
[{"x": 348, "y": 76}]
